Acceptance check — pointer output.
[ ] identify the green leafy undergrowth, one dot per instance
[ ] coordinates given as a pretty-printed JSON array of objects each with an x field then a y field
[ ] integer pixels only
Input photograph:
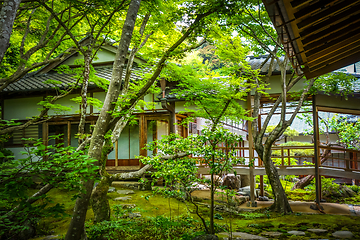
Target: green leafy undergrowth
[
  {"x": 159, "y": 227},
  {"x": 301, "y": 222}
]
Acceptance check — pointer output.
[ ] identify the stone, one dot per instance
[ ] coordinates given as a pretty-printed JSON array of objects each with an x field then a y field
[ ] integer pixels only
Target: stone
[
  {"x": 343, "y": 192},
  {"x": 317, "y": 230},
  {"x": 272, "y": 234},
  {"x": 126, "y": 184},
  {"x": 111, "y": 189},
  {"x": 134, "y": 215},
  {"x": 51, "y": 237},
  {"x": 245, "y": 191},
  {"x": 198, "y": 186},
  {"x": 128, "y": 206},
  {"x": 125, "y": 192},
  {"x": 145, "y": 186},
  {"x": 232, "y": 182},
  {"x": 206, "y": 237},
  {"x": 245, "y": 180},
  {"x": 122, "y": 198},
  {"x": 296, "y": 233},
  {"x": 240, "y": 235},
  {"x": 343, "y": 234},
  {"x": 263, "y": 198},
  {"x": 28, "y": 232}
]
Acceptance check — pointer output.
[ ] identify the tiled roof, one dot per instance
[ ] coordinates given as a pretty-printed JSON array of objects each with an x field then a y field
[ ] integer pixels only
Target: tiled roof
[
  {"x": 33, "y": 82},
  {"x": 255, "y": 63}
]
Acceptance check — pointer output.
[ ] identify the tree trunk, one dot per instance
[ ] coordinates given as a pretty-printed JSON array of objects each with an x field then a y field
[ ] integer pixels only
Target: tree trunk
[
  {"x": 99, "y": 202},
  {"x": 76, "y": 229},
  {"x": 83, "y": 106},
  {"x": 303, "y": 182},
  {"x": 281, "y": 203},
  {"x": 307, "y": 180},
  {"x": 7, "y": 18}
]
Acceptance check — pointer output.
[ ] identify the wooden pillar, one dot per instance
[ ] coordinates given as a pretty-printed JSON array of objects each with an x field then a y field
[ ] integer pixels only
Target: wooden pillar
[
  {"x": 251, "y": 154},
  {"x": 91, "y": 106},
  {"x": 116, "y": 152},
  {"x": 69, "y": 133},
  {"x": 143, "y": 136},
  {"x": 45, "y": 133},
  {"x": 260, "y": 163},
  {"x": 316, "y": 151}
]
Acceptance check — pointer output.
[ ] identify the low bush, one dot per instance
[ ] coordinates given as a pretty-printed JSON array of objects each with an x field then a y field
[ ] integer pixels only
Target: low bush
[{"x": 159, "y": 227}]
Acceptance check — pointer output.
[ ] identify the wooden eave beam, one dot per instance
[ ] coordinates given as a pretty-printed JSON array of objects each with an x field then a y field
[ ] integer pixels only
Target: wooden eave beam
[
  {"x": 312, "y": 8},
  {"x": 330, "y": 21},
  {"x": 337, "y": 31},
  {"x": 334, "y": 9},
  {"x": 299, "y": 3},
  {"x": 326, "y": 50},
  {"x": 335, "y": 56},
  {"x": 334, "y": 66},
  {"x": 345, "y": 58}
]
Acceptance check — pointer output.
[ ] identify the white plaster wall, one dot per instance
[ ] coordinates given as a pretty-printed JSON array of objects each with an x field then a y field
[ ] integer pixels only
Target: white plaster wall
[
  {"x": 66, "y": 101},
  {"x": 101, "y": 56},
  {"x": 275, "y": 85},
  {"x": 337, "y": 102},
  {"x": 150, "y": 98},
  {"x": 21, "y": 108},
  {"x": 179, "y": 107},
  {"x": 101, "y": 97}
]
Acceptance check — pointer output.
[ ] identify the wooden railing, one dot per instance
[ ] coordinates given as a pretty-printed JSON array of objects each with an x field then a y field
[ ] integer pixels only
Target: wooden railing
[
  {"x": 294, "y": 156},
  {"x": 340, "y": 158}
]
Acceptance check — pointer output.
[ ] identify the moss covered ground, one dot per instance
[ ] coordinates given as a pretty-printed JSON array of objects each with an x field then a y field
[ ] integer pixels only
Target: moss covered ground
[{"x": 150, "y": 205}]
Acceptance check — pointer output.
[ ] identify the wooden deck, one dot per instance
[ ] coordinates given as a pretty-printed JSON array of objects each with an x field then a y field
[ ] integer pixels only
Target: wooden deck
[
  {"x": 290, "y": 160},
  {"x": 324, "y": 171},
  {"x": 299, "y": 160}
]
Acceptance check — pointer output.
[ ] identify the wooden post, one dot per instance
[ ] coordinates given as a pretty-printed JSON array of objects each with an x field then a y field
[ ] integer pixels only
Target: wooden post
[
  {"x": 45, "y": 133},
  {"x": 316, "y": 152},
  {"x": 261, "y": 163},
  {"x": 116, "y": 152},
  {"x": 251, "y": 155},
  {"x": 143, "y": 136},
  {"x": 91, "y": 106},
  {"x": 69, "y": 133}
]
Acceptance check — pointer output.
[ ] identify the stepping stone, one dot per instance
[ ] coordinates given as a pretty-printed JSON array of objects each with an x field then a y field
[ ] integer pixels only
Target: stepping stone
[
  {"x": 122, "y": 198},
  {"x": 272, "y": 234},
  {"x": 317, "y": 230},
  {"x": 240, "y": 235},
  {"x": 126, "y": 192},
  {"x": 128, "y": 206},
  {"x": 111, "y": 189},
  {"x": 134, "y": 215},
  {"x": 51, "y": 237},
  {"x": 343, "y": 234},
  {"x": 296, "y": 233}
]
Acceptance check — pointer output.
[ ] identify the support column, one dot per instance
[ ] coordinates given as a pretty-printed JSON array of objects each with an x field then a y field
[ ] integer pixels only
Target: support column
[
  {"x": 316, "y": 154},
  {"x": 260, "y": 163},
  {"x": 251, "y": 155},
  {"x": 69, "y": 133},
  {"x": 45, "y": 133},
  {"x": 143, "y": 136},
  {"x": 116, "y": 152}
]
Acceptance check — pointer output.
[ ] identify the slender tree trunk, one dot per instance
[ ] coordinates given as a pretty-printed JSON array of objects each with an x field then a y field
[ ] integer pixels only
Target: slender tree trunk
[
  {"x": 281, "y": 203},
  {"x": 83, "y": 106},
  {"x": 7, "y": 18},
  {"x": 76, "y": 229},
  {"x": 212, "y": 192}
]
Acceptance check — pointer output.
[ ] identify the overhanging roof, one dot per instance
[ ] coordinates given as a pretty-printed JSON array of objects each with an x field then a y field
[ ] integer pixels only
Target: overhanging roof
[{"x": 319, "y": 36}]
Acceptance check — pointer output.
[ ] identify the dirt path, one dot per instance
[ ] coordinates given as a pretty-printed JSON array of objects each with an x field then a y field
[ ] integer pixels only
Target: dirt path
[{"x": 304, "y": 207}]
